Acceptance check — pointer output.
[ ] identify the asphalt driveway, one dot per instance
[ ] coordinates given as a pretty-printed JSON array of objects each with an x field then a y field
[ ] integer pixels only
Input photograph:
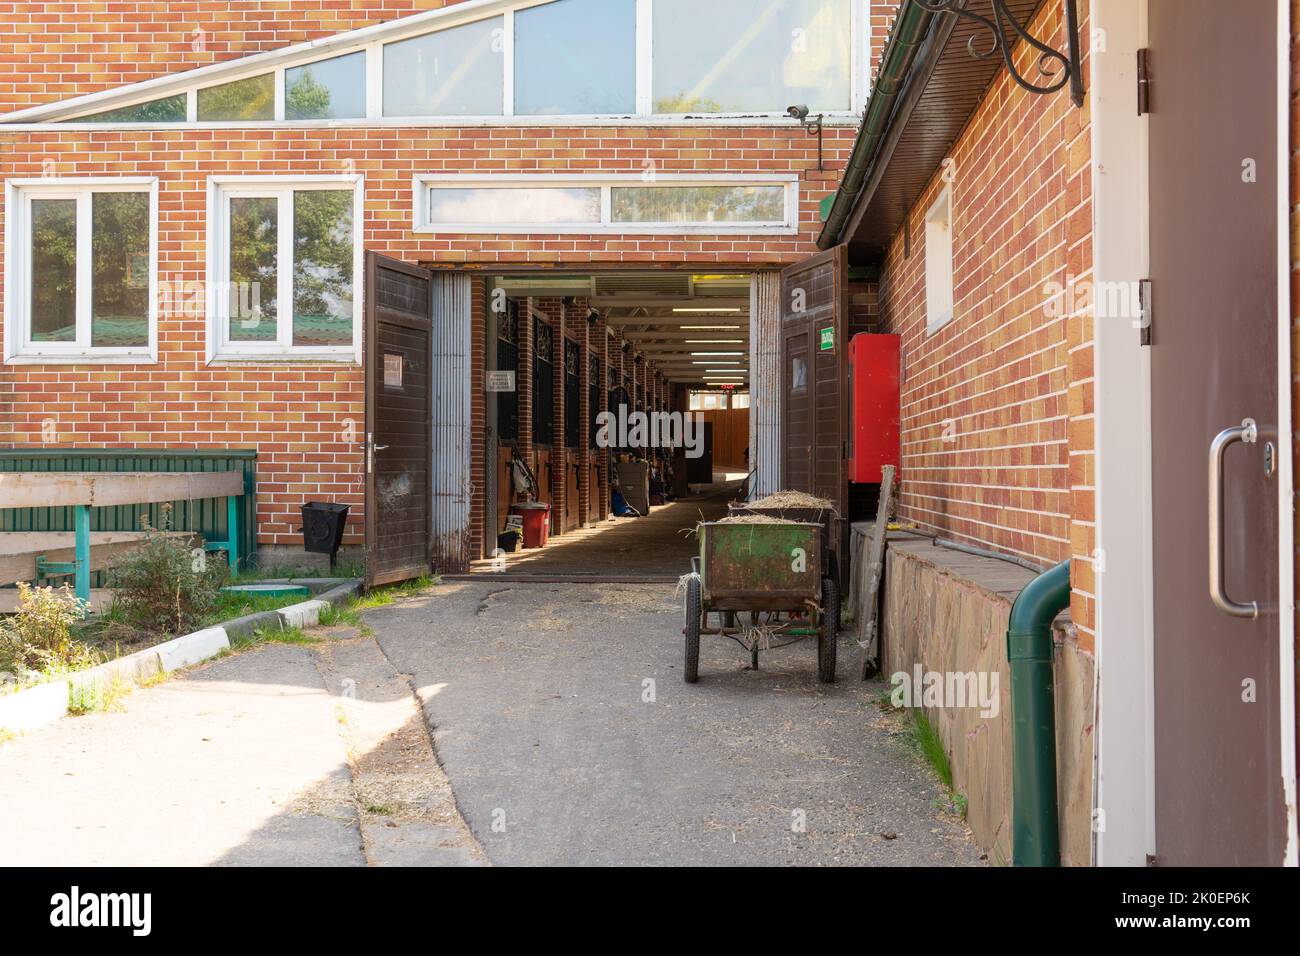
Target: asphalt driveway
[{"x": 561, "y": 718}]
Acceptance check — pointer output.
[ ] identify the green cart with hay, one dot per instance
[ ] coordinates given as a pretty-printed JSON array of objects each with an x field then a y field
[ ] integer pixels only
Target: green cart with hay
[
  {"x": 801, "y": 506},
  {"x": 761, "y": 580}
]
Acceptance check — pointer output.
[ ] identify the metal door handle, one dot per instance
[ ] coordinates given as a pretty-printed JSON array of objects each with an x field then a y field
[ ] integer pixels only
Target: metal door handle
[
  {"x": 1247, "y": 434},
  {"x": 371, "y": 448}
]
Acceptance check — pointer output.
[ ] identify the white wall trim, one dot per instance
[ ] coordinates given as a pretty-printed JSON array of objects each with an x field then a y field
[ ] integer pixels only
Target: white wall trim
[
  {"x": 1286, "y": 478},
  {"x": 1125, "y": 694}
]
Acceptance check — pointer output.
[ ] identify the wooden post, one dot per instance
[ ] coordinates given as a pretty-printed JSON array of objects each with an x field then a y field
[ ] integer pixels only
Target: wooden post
[
  {"x": 81, "y": 524},
  {"x": 232, "y": 532}
]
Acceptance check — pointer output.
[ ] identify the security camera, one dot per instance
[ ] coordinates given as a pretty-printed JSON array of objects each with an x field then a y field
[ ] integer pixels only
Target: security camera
[{"x": 799, "y": 112}]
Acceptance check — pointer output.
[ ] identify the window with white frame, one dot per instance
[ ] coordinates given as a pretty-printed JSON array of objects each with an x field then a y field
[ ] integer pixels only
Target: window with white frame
[
  {"x": 543, "y": 203},
  {"x": 285, "y": 268},
  {"x": 531, "y": 58},
  {"x": 938, "y": 262},
  {"x": 81, "y": 270}
]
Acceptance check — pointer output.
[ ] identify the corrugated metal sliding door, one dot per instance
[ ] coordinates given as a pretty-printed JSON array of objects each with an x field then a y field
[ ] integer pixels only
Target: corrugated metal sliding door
[
  {"x": 765, "y": 384},
  {"x": 813, "y": 311},
  {"x": 399, "y": 391},
  {"x": 452, "y": 446}
]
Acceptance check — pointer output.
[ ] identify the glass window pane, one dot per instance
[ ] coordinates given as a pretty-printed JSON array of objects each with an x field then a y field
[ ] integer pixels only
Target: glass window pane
[
  {"x": 250, "y": 99},
  {"x": 329, "y": 89},
  {"x": 54, "y": 270},
  {"x": 119, "y": 253},
  {"x": 576, "y": 56},
  {"x": 170, "y": 109},
  {"x": 322, "y": 267},
  {"x": 751, "y": 55},
  {"x": 456, "y": 72},
  {"x": 556, "y": 206},
  {"x": 677, "y": 204},
  {"x": 254, "y": 272}
]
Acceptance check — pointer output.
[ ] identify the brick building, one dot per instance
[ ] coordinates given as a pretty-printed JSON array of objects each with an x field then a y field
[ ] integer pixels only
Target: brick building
[{"x": 565, "y": 180}]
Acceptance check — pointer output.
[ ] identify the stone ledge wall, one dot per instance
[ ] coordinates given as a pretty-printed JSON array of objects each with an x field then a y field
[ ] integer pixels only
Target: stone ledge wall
[{"x": 947, "y": 611}]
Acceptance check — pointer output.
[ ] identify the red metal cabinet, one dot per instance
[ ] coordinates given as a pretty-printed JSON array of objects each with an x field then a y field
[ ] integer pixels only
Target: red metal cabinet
[{"x": 874, "y": 372}]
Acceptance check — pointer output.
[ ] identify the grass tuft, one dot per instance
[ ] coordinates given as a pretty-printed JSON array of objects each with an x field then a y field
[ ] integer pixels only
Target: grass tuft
[
  {"x": 382, "y": 597},
  {"x": 926, "y": 740}
]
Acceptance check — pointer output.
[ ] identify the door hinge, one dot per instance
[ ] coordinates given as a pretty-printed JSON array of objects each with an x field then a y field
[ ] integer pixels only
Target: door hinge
[
  {"x": 1145, "y": 312},
  {"x": 1144, "y": 81}
]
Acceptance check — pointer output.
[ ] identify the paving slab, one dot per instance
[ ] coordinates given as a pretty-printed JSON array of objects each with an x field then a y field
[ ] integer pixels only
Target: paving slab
[{"x": 204, "y": 768}]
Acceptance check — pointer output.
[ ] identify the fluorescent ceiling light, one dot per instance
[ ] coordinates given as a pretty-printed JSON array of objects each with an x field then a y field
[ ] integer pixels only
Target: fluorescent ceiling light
[
  {"x": 714, "y": 310},
  {"x": 706, "y": 354},
  {"x": 709, "y": 328},
  {"x": 715, "y": 341}
]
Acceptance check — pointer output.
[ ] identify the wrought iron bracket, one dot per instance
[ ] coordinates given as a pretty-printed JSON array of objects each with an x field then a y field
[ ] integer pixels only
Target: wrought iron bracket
[{"x": 1055, "y": 69}]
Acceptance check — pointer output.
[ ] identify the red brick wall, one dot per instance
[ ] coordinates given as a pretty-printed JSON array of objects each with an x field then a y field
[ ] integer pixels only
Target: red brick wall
[
  {"x": 882, "y": 21},
  {"x": 997, "y": 435},
  {"x": 300, "y": 413},
  {"x": 52, "y": 51}
]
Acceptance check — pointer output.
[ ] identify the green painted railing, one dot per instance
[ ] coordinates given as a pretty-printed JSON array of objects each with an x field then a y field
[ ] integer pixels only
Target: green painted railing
[{"x": 208, "y": 516}]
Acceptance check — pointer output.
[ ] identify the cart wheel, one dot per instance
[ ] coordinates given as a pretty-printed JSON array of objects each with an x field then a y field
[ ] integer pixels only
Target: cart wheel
[
  {"x": 692, "y": 669},
  {"x": 826, "y": 634}
]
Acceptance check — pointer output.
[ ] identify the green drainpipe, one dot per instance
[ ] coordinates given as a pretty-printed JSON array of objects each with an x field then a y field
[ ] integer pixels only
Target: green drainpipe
[{"x": 1035, "y": 836}]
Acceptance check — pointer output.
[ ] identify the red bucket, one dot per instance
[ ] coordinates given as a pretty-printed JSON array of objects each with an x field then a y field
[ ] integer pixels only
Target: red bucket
[{"x": 537, "y": 522}]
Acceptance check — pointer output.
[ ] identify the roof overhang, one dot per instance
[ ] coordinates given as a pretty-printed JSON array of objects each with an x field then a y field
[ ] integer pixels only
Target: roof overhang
[{"x": 940, "y": 92}]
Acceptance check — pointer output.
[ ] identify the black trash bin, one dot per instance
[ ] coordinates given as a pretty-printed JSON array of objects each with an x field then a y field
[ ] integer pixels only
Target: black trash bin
[{"x": 322, "y": 527}]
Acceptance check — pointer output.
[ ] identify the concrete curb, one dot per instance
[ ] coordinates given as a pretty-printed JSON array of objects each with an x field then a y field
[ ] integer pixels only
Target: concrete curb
[{"x": 45, "y": 703}]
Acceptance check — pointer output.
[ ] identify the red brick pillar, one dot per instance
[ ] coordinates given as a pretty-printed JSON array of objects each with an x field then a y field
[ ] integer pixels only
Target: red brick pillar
[
  {"x": 584, "y": 330},
  {"x": 479, "y": 465},
  {"x": 602, "y": 454},
  {"x": 559, "y": 450},
  {"x": 524, "y": 381}
]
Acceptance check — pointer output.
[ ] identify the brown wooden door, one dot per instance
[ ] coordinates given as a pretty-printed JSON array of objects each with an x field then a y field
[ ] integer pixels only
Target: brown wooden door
[
  {"x": 398, "y": 419},
  {"x": 1214, "y": 341},
  {"x": 813, "y": 310},
  {"x": 814, "y": 416}
]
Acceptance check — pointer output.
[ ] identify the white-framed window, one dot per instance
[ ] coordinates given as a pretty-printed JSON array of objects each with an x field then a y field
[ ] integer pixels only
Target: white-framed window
[
  {"x": 529, "y": 62},
  {"x": 938, "y": 262},
  {"x": 607, "y": 203},
  {"x": 285, "y": 268},
  {"x": 81, "y": 270}
]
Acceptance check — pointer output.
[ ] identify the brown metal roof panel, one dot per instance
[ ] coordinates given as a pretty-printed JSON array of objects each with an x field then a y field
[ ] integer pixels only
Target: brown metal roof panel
[{"x": 954, "y": 87}]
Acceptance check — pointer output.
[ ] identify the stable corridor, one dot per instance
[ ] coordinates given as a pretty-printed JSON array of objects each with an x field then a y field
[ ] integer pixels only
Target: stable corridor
[{"x": 656, "y": 547}]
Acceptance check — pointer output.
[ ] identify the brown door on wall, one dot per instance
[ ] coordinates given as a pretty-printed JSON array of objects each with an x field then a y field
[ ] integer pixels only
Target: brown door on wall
[
  {"x": 398, "y": 419},
  {"x": 1214, "y": 340},
  {"x": 813, "y": 310}
]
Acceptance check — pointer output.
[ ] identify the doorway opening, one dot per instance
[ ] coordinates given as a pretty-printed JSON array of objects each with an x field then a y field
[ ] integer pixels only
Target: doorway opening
[{"x": 618, "y": 402}]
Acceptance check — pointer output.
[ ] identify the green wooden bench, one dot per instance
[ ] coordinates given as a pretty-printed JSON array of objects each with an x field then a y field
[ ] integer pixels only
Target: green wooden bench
[{"x": 33, "y": 555}]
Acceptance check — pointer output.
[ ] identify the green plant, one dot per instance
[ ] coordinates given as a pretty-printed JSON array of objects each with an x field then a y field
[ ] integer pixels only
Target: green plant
[
  {"x": 39, "y": 636},
  {"x": 928, "y": 743},
  {"x": 166, "y": 585},
  {"x": 926, "y": 740}
]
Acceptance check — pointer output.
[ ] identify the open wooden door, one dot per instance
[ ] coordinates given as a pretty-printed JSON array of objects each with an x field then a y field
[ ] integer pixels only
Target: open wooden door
[
  {"x": 399, "y": 412},
  {"x": 814, "y": 415}
]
